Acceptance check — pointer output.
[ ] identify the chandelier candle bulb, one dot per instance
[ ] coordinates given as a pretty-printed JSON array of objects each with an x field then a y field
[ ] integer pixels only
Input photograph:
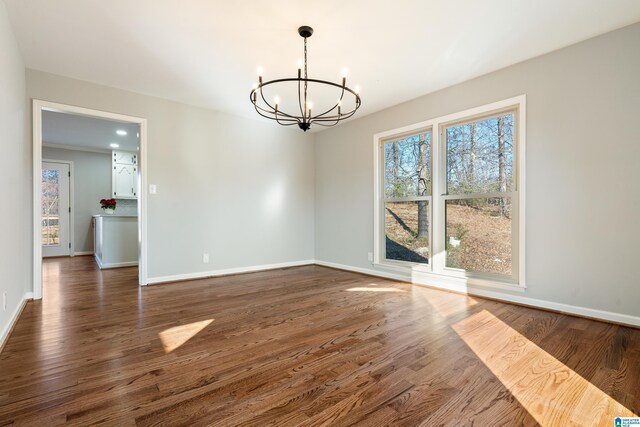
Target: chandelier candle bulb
[{"x": 306, "y": 87}]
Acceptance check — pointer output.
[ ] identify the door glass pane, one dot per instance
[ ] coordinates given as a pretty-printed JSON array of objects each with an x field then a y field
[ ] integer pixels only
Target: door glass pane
[
  {"x": 406, "y": 227},
  {"x": 480, "y": 156},
  {"x": 478, "y": 234},
  {"x": 407, "y": 166},
  {"x": 50, "y": 205}
]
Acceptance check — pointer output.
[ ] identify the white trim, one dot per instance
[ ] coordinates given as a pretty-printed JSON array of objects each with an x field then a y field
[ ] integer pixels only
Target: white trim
[
  {"x": 37, "y": 200},
  {"x": 72, "y": 204},
  {"x": 38, "y": 107},
  {"x": 521, "y": 187},
  {"x": 81, "y": 253},
  {"x": 377, "y": 192},
  {"x": 106, "y": 266},
  {"x": 475, "y": 291},
  {"x": 75, "y": 148},
  {"x": 437, "y": 262},
  {"x": 142, "y": 205},
  {"x": 227, "y": 271},
  {"x": 4, "y": 335}
]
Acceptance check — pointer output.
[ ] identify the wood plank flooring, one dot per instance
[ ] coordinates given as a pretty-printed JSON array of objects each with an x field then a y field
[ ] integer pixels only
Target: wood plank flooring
[{"x": 304, "y": 346}]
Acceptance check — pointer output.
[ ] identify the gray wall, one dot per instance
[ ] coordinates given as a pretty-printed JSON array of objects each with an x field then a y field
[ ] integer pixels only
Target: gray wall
[
  {"x": 239, "y": 189},
  {"x": 15, "y": 175},
  {"x": 583, "y": 170},
  {"x": 91, "y": 182}
]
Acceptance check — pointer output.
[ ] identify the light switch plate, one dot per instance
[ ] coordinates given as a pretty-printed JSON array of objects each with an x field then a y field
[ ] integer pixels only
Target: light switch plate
[{"x": 153, "y": 189}]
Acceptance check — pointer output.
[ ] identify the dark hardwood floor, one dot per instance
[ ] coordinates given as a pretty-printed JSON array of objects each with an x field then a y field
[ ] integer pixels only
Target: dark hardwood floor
[{"x": 305, "y": 346}]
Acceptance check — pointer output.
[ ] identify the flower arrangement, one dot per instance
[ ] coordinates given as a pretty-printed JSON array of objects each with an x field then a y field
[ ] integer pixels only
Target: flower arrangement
[{"x": 108, "y": 204}]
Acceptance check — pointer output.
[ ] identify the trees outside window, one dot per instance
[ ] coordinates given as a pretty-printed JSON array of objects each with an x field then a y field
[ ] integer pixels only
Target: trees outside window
[{"x": 479, "y": 180}]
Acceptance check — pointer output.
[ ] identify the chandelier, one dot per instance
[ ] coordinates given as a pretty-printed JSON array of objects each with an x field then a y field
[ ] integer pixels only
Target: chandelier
[{"x": 300, "y": 111}]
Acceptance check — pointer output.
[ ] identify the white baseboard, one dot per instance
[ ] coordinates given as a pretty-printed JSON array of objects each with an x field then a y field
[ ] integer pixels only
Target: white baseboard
[
  {"x": 223, "y": 272},
  {"x": 517, "y": 299},
  {"x": 4, "y": 335},
  {"x": 385, "y": 274},
  {"x": 105, "y": 266},
  {"x": 83, "y": 253}
]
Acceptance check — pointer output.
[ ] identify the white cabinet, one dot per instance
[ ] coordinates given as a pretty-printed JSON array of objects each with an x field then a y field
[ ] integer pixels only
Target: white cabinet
[
  {"x": 124, "y": 180},
  {"x": 125, "y": 158}
]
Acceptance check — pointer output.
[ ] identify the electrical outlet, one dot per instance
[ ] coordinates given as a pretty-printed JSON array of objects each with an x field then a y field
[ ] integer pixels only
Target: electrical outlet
[
  {"x": 153, "y": 189},
  {"x": 370, "y": 256},
  {"x": 4, "y": 301},
  {"x": 205, "y": 258}
]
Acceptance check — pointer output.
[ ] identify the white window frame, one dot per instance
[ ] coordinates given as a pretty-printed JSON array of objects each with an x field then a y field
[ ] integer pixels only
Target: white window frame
[{"x": 436, "y": 268}]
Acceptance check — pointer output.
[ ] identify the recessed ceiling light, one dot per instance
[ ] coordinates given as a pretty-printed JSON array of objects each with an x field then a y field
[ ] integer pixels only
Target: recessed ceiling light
[
  {"x": 114, "y": 145},
  {"x": 121, "y": 132}
]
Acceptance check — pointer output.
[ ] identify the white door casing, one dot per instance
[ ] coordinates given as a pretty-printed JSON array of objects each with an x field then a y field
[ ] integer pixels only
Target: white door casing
[
  {"x": 55, "y": 209},
  {"x": 38, "y": 107}
]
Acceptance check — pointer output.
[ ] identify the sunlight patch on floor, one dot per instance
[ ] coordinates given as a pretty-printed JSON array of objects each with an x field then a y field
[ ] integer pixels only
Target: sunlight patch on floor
[
  {"x": 363, "y": 289},
  {"x": 445, "y": 303},
  {"x": 550, "y": 391},
  {"x": 173, "y": 338}
]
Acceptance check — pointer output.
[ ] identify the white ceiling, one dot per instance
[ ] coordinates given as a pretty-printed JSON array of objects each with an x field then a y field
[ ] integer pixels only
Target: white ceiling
[
  {"x": 205, "y": 53},
  {"x": 70, "y": 130}
]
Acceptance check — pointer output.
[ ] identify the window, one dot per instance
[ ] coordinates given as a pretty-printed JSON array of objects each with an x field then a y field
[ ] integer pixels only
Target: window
[
  {"x": 477, "y": 202},
  {"x": 50, "y": 205},
  {"x": 449, "y": 195},
  {"x": 407, "y": 197}
]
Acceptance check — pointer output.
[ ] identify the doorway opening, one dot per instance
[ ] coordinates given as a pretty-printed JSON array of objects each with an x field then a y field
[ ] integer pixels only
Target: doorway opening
[{"x": 81, "y": 158}]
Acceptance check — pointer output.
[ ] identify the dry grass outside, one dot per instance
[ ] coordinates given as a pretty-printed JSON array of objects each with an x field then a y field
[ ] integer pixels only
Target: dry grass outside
[
  {"x": 401, "y": 228},
  {"x": 485, "y": 239},
  {"x": 478, "y": 238}
]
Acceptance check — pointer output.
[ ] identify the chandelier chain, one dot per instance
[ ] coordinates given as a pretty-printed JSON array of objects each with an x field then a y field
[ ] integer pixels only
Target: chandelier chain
[{"x": 305, "y": 75}]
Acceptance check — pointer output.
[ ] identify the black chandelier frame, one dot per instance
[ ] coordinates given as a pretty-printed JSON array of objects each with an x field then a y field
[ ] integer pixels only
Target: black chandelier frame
[{"x": 330, "y": 117}]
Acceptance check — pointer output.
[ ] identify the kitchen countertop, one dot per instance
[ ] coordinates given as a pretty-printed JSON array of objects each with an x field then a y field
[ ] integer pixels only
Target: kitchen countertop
[{"x": 114, "y": 215}]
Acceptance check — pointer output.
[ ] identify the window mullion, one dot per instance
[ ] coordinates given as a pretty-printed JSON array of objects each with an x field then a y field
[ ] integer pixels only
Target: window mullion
[{"x": 437, "y": 224}]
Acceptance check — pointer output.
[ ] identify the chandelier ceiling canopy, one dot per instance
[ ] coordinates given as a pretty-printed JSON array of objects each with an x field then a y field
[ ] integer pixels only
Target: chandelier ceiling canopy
[{"x": 288, "y": 101}]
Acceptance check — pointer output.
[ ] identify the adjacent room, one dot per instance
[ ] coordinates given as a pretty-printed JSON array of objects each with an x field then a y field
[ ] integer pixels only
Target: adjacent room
[{"x": 413, "y": 213}]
